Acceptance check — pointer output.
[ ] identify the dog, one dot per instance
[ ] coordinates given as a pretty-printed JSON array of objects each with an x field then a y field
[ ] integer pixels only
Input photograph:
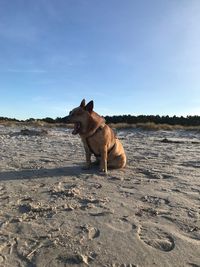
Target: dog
[{"x": 97, "y": 137}]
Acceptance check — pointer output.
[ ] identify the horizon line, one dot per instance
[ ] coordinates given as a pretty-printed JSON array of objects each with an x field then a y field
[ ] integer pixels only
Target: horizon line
[{"x": 121, "y": 115}]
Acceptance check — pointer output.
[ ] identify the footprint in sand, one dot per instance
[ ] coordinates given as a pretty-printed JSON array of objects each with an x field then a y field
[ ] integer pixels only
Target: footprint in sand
[
  {"x": 188, "y": 230},
  {"x": 156, "y": 238},
  {"x": 91, "y": 231},
  {"x": 127, "y": 190},
  {"x": 100, "y": 212},
  {"x": 155, "y": 174},
  {"x": 75, "y": 260},
  {"x": 120, "y": 225},
  {"x": 155, "y": 200}
]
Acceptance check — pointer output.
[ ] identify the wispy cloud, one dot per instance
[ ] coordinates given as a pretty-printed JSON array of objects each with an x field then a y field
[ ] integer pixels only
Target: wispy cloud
[{"x": 24, "y": 71}]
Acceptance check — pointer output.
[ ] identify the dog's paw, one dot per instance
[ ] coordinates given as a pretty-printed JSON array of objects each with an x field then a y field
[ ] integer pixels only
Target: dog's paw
[{"x": 103, "y": 171}]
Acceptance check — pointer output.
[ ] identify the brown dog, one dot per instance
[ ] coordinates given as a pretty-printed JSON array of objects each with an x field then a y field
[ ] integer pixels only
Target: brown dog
[{"x": 97, "y": 137}]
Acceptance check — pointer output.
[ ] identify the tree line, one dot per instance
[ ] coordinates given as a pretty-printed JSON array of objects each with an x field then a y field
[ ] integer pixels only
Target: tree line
[{"x": 128, "y": 119}]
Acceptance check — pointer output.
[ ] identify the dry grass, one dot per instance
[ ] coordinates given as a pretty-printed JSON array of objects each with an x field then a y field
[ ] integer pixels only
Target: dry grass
[
  {"x": 153, "y": 126},
  {"x": 35, "y": 124},
  {"x": 122, "y": 125},
  {"x": 145, "y": 126},
  {"x": 150, "y": 126}
]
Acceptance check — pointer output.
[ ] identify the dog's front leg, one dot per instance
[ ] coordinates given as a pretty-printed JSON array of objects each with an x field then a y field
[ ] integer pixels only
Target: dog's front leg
[
  {"x": 103, "y": 161},
  {"x": 88, "y": 157}
]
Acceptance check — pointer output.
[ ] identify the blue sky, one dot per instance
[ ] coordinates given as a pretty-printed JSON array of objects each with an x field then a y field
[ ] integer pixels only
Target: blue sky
[{"x": 130, "y": 57}]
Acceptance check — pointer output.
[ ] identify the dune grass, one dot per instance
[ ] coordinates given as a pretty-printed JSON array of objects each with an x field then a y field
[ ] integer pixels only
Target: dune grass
[
  {"x": 149, "y": 126},
  {"x": 153, "y": 126}
]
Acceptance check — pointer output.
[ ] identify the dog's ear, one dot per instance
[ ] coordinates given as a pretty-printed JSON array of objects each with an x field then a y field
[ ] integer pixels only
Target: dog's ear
[
  {"x": 82, "y": 105},
  {"x": 90, "y": 106}
]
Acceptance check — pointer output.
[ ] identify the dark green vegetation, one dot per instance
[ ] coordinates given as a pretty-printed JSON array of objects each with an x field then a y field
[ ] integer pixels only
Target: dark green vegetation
[
  {"x": 126, "y": 119},
  {"x": 129, "y": 119}
]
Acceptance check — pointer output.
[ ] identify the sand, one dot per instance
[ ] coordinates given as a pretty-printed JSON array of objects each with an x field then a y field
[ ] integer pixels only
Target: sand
[{"x": 53, "y": 213}]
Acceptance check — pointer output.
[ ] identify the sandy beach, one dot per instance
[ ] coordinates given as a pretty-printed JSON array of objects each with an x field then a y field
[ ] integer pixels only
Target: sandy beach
[{"x": 55, "y": 214}]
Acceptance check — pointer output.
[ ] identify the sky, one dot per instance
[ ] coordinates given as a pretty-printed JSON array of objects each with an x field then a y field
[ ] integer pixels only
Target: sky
[{"x": 130, "y": 57}]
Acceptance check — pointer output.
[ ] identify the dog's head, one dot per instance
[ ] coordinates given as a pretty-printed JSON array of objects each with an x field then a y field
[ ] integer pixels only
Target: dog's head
[{"x": 80, "y": 116}]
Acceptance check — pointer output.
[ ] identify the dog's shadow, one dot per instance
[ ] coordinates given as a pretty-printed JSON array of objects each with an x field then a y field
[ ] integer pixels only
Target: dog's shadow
[{"x": 40, "y": 173}]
